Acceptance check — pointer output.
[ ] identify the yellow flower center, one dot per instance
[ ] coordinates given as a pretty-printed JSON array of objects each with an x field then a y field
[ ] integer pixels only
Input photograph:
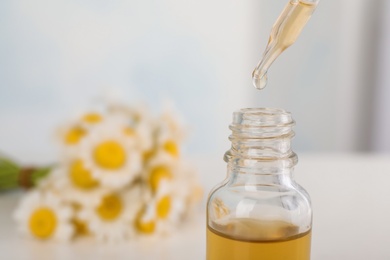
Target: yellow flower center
[
  {"x": 129, "y": 131},
  {"x": 110, "y": 207},
  {"x": 157, "y": 175},
  {"x": 43, "y": 223},
  {"x": 163, "y": 207},
  {"x": 92, "y": 118},
  {"x": 74, "y": 135},
  {"x": 146, "y": 227},
  {"x": 110, "y": 155},
  {"x": 171, "y": 148},
  {"x": 81, "y": 177}
]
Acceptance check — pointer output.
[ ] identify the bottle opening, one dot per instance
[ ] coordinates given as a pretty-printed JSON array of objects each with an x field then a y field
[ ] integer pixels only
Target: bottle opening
[
  {"x": 261, "y": 135},
  {"x": 262, "y": 117},
  {"x": 261, "y": 123}
]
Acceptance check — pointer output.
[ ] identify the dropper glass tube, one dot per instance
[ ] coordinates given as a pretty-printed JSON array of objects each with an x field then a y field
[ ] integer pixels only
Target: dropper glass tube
[{"x": 284, "y": 33}]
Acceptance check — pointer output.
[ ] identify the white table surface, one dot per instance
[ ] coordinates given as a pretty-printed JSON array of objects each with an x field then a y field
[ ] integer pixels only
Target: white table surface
[{"x": 351, "y": 202}]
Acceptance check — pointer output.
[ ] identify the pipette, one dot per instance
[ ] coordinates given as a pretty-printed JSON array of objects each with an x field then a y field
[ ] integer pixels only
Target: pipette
[{"x": 284, "y": 33}]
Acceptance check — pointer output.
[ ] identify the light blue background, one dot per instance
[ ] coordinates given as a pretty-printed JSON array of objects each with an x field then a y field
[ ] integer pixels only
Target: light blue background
[{"x": 58, "y": 57}]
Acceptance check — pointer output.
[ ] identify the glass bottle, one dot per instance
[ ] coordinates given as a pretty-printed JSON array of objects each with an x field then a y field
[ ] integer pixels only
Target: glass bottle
[{"x": 259, "y": 211}]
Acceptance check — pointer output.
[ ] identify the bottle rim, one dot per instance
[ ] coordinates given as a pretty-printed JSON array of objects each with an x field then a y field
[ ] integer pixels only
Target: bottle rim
[{"x": 262, "y": 117}]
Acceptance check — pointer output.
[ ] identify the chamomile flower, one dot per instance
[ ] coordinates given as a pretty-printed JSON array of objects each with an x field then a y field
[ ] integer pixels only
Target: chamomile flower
[
  {"x": 91, "y": 119},
  {"x": 161, "y": 167},
  {"x": 77, "y": 182},
  {"x": 164, "y": 211},
  {"x": 44, "y": 216},
  {"x": 171, "y": 183},
  {"x": 169, "y": 143},
  {"x": 73, "y": 132},
  {"x": 111, "y": 218},
  {"x": 111, "y": 156},
  {"x": 175, "y": 200},
  {"x": 170, "y": 133},
  {"x": 139, "y": 123},
  {"x": 121, "y": 175}
]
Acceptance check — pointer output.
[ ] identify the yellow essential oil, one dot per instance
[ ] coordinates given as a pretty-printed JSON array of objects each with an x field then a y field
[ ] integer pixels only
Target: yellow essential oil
[{"x": 258, "y": 240}]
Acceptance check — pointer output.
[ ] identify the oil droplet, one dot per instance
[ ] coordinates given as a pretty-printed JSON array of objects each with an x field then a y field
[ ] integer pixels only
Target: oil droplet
[{"x": 259, "y": 80}]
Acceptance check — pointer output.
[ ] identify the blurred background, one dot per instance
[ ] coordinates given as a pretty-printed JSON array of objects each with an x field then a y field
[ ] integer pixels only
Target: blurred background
[{"x": 58, "y": 57}]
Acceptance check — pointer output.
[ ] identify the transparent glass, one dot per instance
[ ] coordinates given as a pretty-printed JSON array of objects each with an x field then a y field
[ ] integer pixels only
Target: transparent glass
[
  {"x": 284, "y": 33},
  {"x": 259, "y": 211}
]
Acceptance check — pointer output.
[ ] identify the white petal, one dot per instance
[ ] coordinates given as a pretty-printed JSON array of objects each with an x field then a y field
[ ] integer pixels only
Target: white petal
[
  {"x": 64, "y": 232},
  {"x": 65, "y": 213}
]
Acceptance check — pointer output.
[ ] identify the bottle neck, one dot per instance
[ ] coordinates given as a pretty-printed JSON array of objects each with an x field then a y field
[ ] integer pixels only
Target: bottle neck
[{"x": 261, "y": 145}]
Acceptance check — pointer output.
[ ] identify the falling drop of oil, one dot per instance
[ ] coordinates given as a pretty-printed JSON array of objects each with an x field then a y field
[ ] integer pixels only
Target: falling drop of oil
[{"x": 259, "y": 80}]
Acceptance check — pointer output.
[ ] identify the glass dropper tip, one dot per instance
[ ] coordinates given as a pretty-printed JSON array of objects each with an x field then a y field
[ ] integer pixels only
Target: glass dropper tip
[{"x": 259, "y": 80}]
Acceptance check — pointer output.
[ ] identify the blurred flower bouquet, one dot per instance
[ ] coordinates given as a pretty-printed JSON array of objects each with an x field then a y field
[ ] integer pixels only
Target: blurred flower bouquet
[{"x": 121, "y": 175}]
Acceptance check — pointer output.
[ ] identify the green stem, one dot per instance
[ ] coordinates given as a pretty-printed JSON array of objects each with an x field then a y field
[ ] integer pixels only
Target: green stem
[{"x": 13, "y": 176}]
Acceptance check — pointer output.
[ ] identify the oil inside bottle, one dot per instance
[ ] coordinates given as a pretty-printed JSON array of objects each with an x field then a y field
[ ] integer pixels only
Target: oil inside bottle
[
  {"x": 254, "y": 239},
  {"x": 284, "y": 33}
]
